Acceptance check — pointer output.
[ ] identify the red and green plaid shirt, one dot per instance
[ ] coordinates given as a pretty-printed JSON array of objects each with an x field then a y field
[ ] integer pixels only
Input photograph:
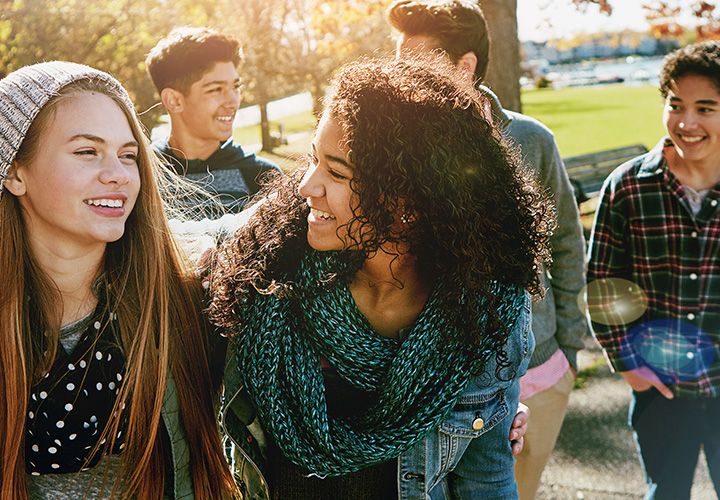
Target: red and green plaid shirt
[{"x": 645, "y": 232}]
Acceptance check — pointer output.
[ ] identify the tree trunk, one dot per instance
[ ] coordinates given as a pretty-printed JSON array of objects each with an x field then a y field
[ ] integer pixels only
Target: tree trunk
[
  {"x": 318, "y": 94},
  {"x": 504, "y": 69},
  {"x": 267, "y": 143}
]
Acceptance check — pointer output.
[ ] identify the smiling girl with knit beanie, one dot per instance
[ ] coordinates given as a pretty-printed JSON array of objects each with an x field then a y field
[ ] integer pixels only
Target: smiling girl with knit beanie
[{"x": 103, "y": 359}]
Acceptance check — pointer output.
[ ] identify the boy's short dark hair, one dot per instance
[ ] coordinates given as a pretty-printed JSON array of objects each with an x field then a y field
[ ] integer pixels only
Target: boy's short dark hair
[
  {"x": 458, "y": 25},
  {"x": 701, "y": 59},
  {"x": 185, "y": 54}
]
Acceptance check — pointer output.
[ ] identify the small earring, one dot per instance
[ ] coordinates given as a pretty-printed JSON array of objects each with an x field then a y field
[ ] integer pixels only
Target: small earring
[{"x": 407, "y": 218}]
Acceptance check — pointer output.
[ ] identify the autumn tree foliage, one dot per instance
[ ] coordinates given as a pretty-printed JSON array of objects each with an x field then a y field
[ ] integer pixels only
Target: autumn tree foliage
[
  {"x": 603, "y": 5},
  {"x": 709, "y": 28},
  {"x": 333, "y": 32},
  {"x": 663, "y": 16},
  {"x": 289, "y": 45},
  {"x": 296, "y": 45},
  {"x": 113, "y": 35}
]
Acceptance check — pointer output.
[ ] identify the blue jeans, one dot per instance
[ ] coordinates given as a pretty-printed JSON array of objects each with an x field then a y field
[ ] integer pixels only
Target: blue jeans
[{"x": 669, "y": 434}]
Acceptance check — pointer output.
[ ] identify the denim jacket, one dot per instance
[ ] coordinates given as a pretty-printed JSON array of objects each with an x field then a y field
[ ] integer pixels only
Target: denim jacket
[{"x": 468, "y": 456}]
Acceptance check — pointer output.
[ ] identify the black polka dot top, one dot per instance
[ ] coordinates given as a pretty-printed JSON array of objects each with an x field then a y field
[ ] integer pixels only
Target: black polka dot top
[{"x": 69, "y": 408}]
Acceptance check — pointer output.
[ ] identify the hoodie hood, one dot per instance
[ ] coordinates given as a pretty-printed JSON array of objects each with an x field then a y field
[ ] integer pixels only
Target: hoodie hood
[{"x": 228, "y": 156}]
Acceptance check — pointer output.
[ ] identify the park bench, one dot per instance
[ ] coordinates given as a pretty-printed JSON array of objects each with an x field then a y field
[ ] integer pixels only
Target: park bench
[{"x": 588, "y": 172}]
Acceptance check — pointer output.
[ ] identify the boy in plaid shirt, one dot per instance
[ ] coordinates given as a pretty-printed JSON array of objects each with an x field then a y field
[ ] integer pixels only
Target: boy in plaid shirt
[{"x": 654, "y": 278}]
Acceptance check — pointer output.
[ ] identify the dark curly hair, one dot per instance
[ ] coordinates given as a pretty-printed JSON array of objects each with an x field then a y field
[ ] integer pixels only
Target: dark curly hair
[
  {"x": 701, "y": 59},
  {"x": 417, "y": 137}
]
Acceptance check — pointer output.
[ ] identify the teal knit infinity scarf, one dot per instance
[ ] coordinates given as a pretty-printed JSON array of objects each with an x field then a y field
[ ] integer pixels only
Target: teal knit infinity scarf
[{"x": 416, "y": 381}]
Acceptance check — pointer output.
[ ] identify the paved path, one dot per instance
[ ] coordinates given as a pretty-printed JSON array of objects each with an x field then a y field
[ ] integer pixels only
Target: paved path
[{"x": 595, "y": 454}]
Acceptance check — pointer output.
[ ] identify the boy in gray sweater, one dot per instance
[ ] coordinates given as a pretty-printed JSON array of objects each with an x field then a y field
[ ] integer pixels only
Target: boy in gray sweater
[{"x": 458, "y": 30}]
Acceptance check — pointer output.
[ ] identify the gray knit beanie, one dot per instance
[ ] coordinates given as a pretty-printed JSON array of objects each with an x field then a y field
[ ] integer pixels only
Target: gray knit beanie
[{"x": 24, "y": 92}]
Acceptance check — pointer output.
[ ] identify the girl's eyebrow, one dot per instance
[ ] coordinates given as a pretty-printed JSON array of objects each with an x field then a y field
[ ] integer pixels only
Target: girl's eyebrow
[
  {"x": 339, "y": 160},
  {"x": 333, "y": 158},
  {"x": 100, "y": 140}
]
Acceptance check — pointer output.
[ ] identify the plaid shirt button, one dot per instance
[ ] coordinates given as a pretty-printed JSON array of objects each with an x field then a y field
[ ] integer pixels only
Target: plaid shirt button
[
  {"x": 690, "y": 316},
  {"x": 693, "y": 276}
]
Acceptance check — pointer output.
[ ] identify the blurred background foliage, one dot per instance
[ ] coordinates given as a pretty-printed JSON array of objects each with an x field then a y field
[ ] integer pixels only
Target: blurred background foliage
[{"x": 289, "y": 45}]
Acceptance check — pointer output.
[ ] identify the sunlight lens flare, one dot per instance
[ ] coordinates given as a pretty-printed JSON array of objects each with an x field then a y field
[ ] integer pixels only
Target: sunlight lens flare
[
  {"x": 676, "y": 350},
  {"x": 613, "y": 301}
]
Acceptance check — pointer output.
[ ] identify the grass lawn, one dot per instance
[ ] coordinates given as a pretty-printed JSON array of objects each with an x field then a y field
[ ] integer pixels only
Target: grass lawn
[
  {"x": 292, "y": 124},
  {"x": 583, "y": 119},
  {"x": 589, "y": 119}
]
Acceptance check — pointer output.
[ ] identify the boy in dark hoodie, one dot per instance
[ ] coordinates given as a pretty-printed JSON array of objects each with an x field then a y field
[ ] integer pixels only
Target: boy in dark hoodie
[{"x": 195, "y": 72}]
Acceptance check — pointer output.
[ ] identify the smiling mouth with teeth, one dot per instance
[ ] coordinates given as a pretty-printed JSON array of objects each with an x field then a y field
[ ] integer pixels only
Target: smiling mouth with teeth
[
  {"x": 691, "y": 138},
  {"x": 321, "y": 215},
  {"x": 105, "y": 203},
  {"x": 225, "y": 119}
]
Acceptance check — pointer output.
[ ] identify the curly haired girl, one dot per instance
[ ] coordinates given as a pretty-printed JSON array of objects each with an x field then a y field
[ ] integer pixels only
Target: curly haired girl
[{"x": 378, "y": 300}]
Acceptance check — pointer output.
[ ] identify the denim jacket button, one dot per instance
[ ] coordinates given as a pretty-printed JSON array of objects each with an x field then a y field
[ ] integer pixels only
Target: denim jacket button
[{"x": 478, "y": 424}]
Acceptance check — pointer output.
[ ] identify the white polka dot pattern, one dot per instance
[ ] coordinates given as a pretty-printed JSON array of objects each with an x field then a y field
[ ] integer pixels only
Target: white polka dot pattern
[{"x": 69, "y": 408}]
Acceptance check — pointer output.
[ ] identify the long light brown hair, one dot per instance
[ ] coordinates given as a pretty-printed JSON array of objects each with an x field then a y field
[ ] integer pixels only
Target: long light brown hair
[{"x": 158, "y": 304}]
